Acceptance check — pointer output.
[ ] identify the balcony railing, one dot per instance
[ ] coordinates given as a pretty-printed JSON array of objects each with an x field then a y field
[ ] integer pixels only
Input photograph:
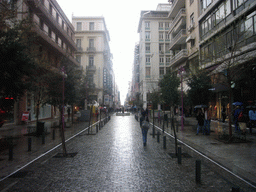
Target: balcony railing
[
  {"x": 179, "y": 38},
  {"x": 79, "y": 49},
  {"x": 91, "y": 49},
  {"x": 179, "y": 57},
  {"x": 181, "y": 13}
]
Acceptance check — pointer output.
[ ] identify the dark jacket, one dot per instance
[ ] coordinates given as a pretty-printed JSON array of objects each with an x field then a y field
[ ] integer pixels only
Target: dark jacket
[{"x": 200, "y": 118}]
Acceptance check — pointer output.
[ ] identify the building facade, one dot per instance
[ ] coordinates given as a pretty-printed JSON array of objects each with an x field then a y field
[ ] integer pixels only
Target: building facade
[
  {"x": 154, "y": 50},
  {"x": 92, "y": 41},
  {"x": 55, "y": 40},
  {"x": 227, "y": 50}
]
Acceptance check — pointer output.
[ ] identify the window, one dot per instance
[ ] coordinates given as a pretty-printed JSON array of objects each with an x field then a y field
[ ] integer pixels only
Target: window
[
  {"x": 167, "y": 25},
  {"x": 91, "y": 60},
  {"x": 167, "y": 48},
  {"x": 91, "y": 43},
  {"x": 161, "y": 25},
  {"x": 161, "y": 59},
  {"x": 147, "y": 72},
  {"x": 147, "y": 47},
  {"x": 161, "y": 35},
  {"x": 78, "y": 58},
  {"x": 148, "y": 59},
  {"x": 168, "y": 59},
  {"x": 147, "y": 24},
  {"x": 192, "y": 19},
  {"x": 192, "y": 42},
  {"x": 167, "y": 36},
  {"x": 147, "y": 34},
  {"x": 78, "y": 43},
  {"x": 249, "y": 27},
  {"x": 161, "y": 71},
  {"x": 91, "y": 26},
  {"x": 57, "y": 18},
  {"x": 161, "y": 47},
  {"x": 254, "y": 21},
  {"x": 79, "y": 26},
  {"x": 227, "y": 7}
]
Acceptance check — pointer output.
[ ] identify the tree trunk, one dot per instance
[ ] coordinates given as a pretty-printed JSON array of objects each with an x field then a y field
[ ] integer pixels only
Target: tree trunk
[
  {"x": 229, "y": 114},
  {"x": 63, "y": 134},
  {"x": 174, "y": 132}
]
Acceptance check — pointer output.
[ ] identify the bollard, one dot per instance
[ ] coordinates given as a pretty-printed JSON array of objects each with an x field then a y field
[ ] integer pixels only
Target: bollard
[
  {"x": 29, "y": 143},
  {"x": 10, "y": 152},
  {"x": 164, "y": 142},
  {"x": 153, "y": 131},
  {"x": 53, "y": 134},
  {"x": 235, "y": 189},
  {"x": 198, "y": 171},
  {"x": 43, "y": 138},
  {"x": 158, "y": 136},
  {"x": 179, "y": 155},
  {"x": 96, "y": 128},
  {"x": 10, "y": 143}
]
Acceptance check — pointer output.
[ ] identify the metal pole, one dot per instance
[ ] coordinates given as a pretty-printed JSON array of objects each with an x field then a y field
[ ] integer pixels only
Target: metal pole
[
  {"x": 179, "y": 155},
  {"x": 182, "y": 126},
  {"x": 164, "y": 142},
  {"x": 198, "y": 171}
]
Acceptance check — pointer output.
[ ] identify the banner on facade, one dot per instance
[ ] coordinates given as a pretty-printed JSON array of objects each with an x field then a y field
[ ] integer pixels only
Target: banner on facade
[{"x": 25, "y": 116}]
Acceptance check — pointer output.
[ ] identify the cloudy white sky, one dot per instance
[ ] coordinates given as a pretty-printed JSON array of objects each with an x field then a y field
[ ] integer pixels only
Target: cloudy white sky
[{"x": 122, "y": 18}]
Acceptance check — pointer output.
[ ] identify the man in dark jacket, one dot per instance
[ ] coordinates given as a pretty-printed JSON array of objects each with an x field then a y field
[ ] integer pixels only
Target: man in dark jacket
[{"x": 200, "y": 119}]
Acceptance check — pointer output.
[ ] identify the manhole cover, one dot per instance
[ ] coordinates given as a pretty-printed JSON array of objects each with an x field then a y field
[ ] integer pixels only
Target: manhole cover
[{"x": 69, "y": 155}]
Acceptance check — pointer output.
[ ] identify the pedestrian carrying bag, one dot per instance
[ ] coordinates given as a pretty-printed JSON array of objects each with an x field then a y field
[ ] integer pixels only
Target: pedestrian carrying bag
[{"x": 145, "y": 124}]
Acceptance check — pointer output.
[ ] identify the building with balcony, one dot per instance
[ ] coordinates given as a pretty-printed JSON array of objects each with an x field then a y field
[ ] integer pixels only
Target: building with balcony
[
  {"x": 55, "y": 41},
  {"x": 93, "y": 53},
  {"x": 227, "y": 49},
  {"x": 178, "y": 35},
  {"x": 154, "y": 50}
]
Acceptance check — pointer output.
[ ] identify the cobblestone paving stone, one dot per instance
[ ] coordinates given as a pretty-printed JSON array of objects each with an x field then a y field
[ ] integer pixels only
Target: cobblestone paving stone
[{"x": 115, "y": 160}]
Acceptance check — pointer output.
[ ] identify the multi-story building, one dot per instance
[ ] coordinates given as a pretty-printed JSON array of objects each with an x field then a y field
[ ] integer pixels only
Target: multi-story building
[
  {"x": 55, "y": 40},
  {"x": 135, "y": 76},
  {"x": 227, "y": 49},
  {"x": 92, "y": 41},
  {"x": 178, "y": 35},
  {"x": 192, "y": 14},
  {"x": 154, "y": 50}
]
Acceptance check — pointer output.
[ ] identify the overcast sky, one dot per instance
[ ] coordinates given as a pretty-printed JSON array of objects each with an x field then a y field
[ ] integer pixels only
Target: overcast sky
[{"x": 122, "y": 18}]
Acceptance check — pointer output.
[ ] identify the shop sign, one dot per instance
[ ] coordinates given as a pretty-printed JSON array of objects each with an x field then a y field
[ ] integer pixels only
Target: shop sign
[{"x": 25, "y": 116}]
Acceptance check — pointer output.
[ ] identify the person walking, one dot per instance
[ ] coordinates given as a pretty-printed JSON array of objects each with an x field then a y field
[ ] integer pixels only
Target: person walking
[
  {"x": 207, "y": 120},
  {"x": 223, "y": 114},
  {"x": 200, "y": 119},
  {"x": 144, "y": 124},
  {"x": 252, "y": 118},
  {"x": 236, "y": 114}
]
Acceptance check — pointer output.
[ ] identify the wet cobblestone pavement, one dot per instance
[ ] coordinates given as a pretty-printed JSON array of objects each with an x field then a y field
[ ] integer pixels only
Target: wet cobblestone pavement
[{"x": 115, "y": 159}]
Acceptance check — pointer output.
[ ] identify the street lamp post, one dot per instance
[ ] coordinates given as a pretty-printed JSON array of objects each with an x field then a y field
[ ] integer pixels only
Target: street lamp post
[{"x": 181, "y": 70}]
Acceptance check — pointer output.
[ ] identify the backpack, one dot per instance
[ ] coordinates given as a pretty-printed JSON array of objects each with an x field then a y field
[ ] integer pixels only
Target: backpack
[
  {"x": 240, "y": 116},
  {"x": 145, "y": 124}
]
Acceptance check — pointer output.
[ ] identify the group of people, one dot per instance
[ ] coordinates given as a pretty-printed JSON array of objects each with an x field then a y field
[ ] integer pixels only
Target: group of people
[
  {"x": 239, "y": 117},
  {"x": 204, "y": 121}
]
